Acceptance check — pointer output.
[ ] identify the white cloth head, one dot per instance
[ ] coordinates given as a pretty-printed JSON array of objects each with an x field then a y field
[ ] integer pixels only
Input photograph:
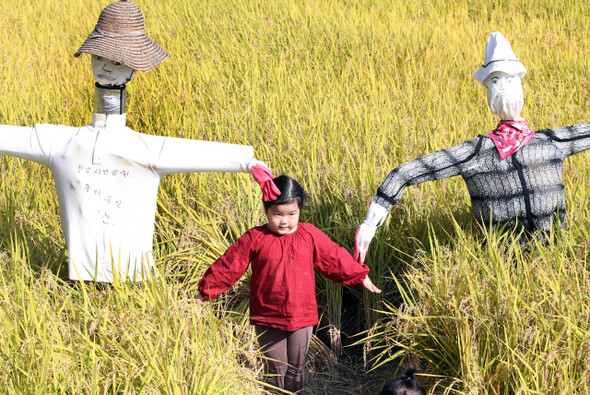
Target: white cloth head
[
  {"x": 505, "y": 96},
  {"x": 499, "y": 57}
]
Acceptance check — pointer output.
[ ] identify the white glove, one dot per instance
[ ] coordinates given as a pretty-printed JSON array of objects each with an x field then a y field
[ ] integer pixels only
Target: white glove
[
  {"x": 362, "y": 239},
  {"x": 376, "y": 215}
]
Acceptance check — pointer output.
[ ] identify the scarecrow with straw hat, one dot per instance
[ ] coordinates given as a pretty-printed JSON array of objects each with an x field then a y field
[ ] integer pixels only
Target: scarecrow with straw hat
[
  {"x": 106, "y": 174},
  {"x": 513, "y": 175}
]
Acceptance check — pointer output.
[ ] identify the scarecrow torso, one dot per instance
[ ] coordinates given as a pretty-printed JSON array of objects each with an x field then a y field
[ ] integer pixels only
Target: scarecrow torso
[
  {"x": 107, "y": 193},
  {"x": 107, "y": 184},
  {"x": 526, "y": 187}
]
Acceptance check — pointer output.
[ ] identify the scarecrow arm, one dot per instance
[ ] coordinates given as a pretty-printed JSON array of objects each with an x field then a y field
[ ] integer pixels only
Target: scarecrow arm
[
  {"x": 570, "y": 140},
  {"x": 177, "y": 155},
  {"x": 23, "y": 142},
  {"x": 442, "y": 164},
  {"x": 436, "y": 166}
]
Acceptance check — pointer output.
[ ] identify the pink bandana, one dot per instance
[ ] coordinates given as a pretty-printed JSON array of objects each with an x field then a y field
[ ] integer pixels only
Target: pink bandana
[{"x": 510, "y": 136}]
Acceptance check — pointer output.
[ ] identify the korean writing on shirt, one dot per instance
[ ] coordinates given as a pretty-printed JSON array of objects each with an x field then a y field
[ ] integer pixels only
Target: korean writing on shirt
[
  {"x": 101, "y": 171},
  {"x": 103, "y": 197}
]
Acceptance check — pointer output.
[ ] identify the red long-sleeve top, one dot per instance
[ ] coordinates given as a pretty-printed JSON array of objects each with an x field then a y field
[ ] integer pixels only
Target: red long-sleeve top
[{"x": 282, "y": 284}]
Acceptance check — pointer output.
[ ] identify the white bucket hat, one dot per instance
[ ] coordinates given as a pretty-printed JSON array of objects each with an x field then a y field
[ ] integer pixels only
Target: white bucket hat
[
  {"x": 499, "y": 57},
  {"x": 120, "y": 35}
]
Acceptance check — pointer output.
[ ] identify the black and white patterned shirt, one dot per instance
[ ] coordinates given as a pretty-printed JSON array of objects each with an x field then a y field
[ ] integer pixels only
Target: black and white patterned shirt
[{"x": 527, "y": 187}]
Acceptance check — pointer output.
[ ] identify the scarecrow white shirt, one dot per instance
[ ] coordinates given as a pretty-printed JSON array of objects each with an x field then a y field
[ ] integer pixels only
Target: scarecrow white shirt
[{"x": 107, "y": 184}]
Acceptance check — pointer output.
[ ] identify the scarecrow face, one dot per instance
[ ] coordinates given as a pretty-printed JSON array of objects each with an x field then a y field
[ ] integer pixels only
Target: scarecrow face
[
  {"x": 110, "y": 73},
  {"x": 505, "y": 96}
]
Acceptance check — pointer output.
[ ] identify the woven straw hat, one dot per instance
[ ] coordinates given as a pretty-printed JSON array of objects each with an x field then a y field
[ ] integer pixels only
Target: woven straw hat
[
  {"x": 499, "y": 57},
  {"x": 120, "y": 35}
]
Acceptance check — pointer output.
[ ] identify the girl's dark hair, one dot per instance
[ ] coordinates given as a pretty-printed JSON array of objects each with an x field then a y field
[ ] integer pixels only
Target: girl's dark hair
[
  {"x": 290, "y": 191},
  {"x": 405, "y": 384}
]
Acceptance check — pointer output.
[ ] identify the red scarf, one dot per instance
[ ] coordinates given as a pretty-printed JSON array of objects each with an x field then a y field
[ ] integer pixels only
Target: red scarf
[{"x": 509, "y": 136}]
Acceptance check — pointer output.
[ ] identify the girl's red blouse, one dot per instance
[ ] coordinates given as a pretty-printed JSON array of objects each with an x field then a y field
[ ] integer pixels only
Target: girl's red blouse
[{"x": 282, "y": 284}]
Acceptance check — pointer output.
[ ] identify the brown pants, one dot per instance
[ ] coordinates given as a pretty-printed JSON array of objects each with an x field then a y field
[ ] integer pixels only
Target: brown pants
[{"x": 284, "y": 354}]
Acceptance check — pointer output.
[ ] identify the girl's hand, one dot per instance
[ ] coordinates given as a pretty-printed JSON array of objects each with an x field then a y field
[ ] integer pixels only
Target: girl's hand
[
  {"x": 199, "y": 299},
  {"x": 368, "y": 284}
]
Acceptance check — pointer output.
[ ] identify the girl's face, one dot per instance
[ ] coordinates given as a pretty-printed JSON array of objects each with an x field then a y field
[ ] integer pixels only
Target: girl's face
[{"x": 283, "y": 218}]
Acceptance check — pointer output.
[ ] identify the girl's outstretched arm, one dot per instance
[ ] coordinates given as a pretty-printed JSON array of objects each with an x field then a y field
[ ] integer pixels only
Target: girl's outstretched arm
[{"x": 225, "y": 271}]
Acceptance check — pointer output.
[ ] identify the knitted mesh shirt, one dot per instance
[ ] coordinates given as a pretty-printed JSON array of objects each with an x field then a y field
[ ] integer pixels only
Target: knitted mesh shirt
[{"x": 525, "y": 189}]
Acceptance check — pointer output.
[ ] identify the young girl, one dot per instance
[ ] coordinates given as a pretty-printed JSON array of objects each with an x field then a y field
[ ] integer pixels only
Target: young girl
[{"x": 283, "y": 254}]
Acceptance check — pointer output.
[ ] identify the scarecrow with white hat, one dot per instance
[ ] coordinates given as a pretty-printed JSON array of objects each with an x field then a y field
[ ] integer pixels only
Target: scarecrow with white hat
[
  {"x": 513, "y": 175},
  {"x": 106, "y": 174}
]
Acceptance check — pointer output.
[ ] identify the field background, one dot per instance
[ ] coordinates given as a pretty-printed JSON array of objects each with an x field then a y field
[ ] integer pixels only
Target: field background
[{"x": 335, "y": 94}]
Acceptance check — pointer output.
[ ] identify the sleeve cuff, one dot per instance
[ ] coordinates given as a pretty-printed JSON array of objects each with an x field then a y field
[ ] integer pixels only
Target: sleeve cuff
[{"x": 376, "y": 215}]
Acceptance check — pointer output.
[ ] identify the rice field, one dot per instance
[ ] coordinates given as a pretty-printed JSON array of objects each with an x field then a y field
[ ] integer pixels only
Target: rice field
[{"x": 334, "y": 94}]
